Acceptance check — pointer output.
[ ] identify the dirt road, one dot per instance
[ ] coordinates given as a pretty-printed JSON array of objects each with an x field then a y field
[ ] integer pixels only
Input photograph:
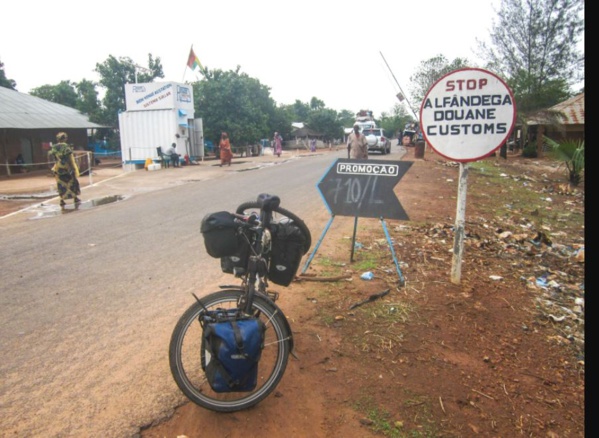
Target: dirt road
[{"x": 500, "y": 354}]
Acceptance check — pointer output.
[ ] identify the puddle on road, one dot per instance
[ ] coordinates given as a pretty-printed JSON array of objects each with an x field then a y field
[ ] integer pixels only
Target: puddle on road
[{"x": 46, "y": 210}]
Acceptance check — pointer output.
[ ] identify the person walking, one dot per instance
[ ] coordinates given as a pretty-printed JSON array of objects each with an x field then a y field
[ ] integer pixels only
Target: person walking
[
  {"x": 226, "y": 155},
  {"x": 278, "y": 144},
  {"x": 312, "y": 145},
  {"x": 357, "y": 147},
  {"x": 65, "y": 170}
]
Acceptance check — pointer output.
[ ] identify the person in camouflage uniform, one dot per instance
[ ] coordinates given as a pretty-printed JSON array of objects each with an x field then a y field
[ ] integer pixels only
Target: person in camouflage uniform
[{"x": 65, "y": 170}]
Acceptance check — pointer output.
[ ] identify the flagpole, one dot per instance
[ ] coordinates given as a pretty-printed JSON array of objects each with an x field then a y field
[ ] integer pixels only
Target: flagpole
[{"x": 186, "y": 64}]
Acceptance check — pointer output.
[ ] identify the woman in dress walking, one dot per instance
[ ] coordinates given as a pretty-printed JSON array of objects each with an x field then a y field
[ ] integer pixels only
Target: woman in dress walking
[
  {"x": 278, "y": 144},
  {"x": 65, "y": 170},
  {"x": 225, "y": 149}
]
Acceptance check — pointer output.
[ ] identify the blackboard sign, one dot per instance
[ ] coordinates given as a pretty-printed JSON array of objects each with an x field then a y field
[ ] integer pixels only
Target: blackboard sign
[{"x": 364, "y": 188}]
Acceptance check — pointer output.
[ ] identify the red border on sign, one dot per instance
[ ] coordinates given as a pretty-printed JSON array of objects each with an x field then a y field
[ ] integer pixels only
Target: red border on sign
[{"x": 494, "y": 148}]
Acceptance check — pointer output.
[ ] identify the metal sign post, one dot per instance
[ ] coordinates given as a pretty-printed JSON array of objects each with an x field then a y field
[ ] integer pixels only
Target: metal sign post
[{"x": 466, "y": 116}]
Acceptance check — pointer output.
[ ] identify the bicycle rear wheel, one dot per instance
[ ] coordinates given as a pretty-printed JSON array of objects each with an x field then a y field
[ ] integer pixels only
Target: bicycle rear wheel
[
  {"x": 279, "y": 215},
  {"x": 185, "y": 351}
]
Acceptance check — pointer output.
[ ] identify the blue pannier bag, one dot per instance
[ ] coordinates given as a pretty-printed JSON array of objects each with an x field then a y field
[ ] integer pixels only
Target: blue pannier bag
[{"x": 231, "y": 349}]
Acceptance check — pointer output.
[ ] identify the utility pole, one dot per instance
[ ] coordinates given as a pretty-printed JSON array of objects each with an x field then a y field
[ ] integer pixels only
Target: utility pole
[{"x": 404, "y": 94}]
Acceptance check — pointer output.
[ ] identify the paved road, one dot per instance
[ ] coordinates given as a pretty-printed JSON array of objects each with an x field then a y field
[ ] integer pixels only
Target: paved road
[{"x": 88, "y": 298}]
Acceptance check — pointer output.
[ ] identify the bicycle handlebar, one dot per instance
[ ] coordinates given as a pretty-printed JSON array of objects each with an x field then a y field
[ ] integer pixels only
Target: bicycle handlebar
[{"x": 249, "y": 221}]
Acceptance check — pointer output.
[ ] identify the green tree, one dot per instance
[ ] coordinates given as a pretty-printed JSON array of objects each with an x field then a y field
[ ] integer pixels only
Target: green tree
[
  {"x": 87, "y": 100},
  {"x": 346, "y": 118},
  {"x": 301, "y": 111},
  {"x": 4, "y": 81},
  {"x": 280, "y": 121},
  {"x": 81, "y": 96},
  {"x": 533, "y": 44},
  {"x": 114, "y": 74},
  {"x": 63, "y": 93},
  {"x": 393, "y": 124},
  {"x": 316, "y": 104},
  {"x": 429, "y": 72},
  {"x": 235, "y": 103},
  {"x": 327, "y": 122}
]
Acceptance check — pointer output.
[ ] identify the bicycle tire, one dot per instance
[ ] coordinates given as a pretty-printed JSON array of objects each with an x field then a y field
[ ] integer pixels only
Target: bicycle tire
[
  {"x": 280, "y": 214},
  {"x": 185, "y": 349}
]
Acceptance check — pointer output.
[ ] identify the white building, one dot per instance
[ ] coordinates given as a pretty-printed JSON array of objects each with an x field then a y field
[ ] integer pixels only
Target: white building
[{"x": 159, "y": 114}]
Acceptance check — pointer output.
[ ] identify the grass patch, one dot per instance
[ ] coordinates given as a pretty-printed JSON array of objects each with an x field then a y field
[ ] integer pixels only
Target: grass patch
[
  {"x": 368, "y": 258},
  {"x": 329, "y": 267},
  {"x": 520, "y": 196},
  {"x": 365, "y": 265},
  {"x": 381, "y": 421},
  {"x": 380, "y": 326}
]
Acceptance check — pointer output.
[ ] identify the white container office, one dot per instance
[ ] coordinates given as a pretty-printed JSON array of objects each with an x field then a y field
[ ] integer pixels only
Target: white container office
[{"x": 159, "y": 114}]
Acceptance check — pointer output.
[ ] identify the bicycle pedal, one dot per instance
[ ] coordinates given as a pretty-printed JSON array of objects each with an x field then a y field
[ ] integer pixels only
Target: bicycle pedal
[{"x": 274, "y": 296}]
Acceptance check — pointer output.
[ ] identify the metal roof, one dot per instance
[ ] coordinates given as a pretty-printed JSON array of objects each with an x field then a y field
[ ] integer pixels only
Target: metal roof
[
  {"x": 23, "y": 111},
  {"x": 569, "y": 112},
  {"x": 572, "y": 110}
]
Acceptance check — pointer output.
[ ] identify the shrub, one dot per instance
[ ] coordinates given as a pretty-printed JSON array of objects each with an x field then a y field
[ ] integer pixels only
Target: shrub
[
  {"x": 530, "y": 150},
  {"x": 571, "y": 153}
]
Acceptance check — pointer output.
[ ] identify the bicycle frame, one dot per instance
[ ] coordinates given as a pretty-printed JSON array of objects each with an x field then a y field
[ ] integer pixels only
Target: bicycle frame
[
  {"x": 257, "y": 266},
  {"x": 259, "y": 223}
]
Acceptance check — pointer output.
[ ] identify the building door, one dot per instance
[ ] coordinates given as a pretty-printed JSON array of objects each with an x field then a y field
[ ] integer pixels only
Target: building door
[{"x": 26, "y": 150}]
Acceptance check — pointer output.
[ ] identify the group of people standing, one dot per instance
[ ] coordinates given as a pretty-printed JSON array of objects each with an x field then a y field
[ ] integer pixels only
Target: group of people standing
[{"x": 66, "y": 171}]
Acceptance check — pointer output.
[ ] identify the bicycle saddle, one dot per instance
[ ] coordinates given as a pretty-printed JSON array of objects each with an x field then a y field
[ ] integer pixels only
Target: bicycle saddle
[{"x": 268, "y": 202}]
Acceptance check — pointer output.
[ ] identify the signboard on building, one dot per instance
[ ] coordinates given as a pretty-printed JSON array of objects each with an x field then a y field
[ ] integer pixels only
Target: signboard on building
[
  {"x": 159, "y": 95},
  {"x": 467, "y": 114}
]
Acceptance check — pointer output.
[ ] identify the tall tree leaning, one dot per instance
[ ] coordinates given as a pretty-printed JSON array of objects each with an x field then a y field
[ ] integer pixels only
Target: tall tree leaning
[{"x": 533, "y": 44}]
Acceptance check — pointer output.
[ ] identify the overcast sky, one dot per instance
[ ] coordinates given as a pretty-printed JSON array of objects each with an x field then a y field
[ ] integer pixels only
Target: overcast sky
[{"x": 329, "y": 49}]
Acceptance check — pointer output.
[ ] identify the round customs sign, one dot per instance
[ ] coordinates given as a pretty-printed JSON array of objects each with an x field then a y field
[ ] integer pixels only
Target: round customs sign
[{"x": 467, "y": 114}]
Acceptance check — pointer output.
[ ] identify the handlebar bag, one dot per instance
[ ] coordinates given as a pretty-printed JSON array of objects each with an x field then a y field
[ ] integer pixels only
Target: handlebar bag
[
  {"x": 221, "y": 237},
  {"x": 287, "y": 250},
  {"x": 231, "y": 350}
]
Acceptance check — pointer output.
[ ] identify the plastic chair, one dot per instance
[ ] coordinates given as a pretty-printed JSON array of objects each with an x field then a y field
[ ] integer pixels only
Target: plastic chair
[{"x": 164, "y": 158}]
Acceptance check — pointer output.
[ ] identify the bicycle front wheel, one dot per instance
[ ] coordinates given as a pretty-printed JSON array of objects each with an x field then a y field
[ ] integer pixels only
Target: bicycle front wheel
[{"x": 185, "y": 353}]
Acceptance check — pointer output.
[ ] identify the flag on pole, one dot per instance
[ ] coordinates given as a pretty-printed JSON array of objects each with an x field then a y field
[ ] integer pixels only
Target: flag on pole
[{"x": 193, "y": 61}]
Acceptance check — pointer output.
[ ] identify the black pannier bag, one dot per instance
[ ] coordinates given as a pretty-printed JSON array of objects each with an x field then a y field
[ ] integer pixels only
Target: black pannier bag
[
  {"x": 231, "y": 349},
  {"x": 238, "y": 262},
  {"x": 221, "y": 236},
  {"x": 287, "y": 251}
]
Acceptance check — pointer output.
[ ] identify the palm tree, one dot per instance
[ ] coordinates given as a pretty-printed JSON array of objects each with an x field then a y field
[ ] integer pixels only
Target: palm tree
[{"x": 571, "y": 152}]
